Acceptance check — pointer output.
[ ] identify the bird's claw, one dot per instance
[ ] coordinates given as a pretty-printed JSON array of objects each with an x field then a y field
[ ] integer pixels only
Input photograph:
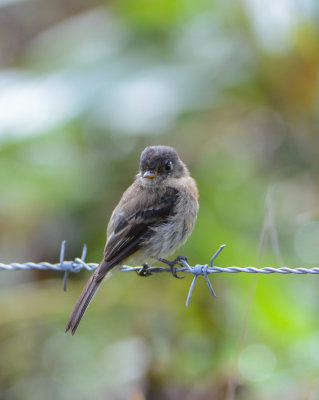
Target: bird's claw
[
  {"x": 144, "y": 271},
  {"x": 173, "y": 263},
  {"x": 178, "y": 260}
]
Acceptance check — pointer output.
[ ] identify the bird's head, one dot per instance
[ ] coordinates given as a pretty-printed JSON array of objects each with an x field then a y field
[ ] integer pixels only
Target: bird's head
[{"x": 158, "y": 164}]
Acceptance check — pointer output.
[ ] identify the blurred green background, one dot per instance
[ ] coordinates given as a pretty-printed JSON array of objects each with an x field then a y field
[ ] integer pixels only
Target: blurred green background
[{"x": 233, "y": 86}]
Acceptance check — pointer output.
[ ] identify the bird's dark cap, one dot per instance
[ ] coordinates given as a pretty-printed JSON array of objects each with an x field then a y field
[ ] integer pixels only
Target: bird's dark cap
[{"x": 156, "y": 155}]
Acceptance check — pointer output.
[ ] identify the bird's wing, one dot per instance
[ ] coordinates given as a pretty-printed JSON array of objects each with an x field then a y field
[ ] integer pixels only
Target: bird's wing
[{"x": 132, "y": 225}]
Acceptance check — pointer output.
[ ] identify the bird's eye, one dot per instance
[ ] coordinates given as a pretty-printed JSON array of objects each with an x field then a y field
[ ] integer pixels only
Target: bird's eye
[{"x": 168, "y": 166}]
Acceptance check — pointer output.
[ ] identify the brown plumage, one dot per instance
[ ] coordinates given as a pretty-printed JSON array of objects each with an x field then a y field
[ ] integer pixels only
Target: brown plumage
[{"x": 155, "y": 216}]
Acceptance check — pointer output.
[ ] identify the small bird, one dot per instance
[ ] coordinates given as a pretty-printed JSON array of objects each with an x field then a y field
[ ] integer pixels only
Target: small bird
[{"x": 155, "y": 216}]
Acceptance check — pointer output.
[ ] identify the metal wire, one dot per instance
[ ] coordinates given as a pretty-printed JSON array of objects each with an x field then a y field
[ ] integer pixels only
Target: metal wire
[{"x": 79, "y": 263}]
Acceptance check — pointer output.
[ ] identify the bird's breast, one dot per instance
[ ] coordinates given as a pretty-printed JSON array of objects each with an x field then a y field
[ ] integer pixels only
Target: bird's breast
[{"x": 166, "y": 237}]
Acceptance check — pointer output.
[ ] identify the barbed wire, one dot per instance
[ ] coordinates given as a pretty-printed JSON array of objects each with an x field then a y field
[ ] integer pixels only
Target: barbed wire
[{"x": 79, "y": 263}]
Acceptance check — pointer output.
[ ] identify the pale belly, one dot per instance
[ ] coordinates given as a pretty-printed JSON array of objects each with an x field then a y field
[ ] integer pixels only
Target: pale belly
[{"x": 169, "y": 237}]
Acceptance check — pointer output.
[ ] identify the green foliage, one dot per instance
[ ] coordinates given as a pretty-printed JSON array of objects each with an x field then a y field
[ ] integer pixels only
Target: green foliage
[{"x": 84, "y": 88}]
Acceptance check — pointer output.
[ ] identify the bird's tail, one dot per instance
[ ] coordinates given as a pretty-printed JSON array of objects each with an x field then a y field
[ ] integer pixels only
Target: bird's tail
[{"x": 83, "y": 302}]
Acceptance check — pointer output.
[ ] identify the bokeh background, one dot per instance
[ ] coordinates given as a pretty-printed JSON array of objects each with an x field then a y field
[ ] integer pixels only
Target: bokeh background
[{"x": 233, "y": 86}]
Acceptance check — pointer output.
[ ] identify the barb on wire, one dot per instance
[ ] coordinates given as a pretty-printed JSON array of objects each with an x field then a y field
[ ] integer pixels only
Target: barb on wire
[
  {"x": 201, "y": 270},
  {"x": 79, "y": 263},
  {"x": 67, "y": 267}
]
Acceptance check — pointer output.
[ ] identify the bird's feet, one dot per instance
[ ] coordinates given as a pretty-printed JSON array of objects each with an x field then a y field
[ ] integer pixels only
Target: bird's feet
[
  {"x": 173, "y": 263},
  {"x": 144, "y": 271}
]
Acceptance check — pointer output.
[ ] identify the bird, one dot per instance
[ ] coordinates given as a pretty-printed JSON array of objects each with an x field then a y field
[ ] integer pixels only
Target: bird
[{"x": 154, "y": 217}]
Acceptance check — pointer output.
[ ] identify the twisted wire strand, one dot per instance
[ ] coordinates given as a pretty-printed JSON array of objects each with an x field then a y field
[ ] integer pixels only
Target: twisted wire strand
[
  {"x": 79, "y": 263},
  {"x": 74, "y": 266}
]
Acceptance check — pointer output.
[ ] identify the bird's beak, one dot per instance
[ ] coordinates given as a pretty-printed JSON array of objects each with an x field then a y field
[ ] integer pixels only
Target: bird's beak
[{"x": 149, "y": 175}]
